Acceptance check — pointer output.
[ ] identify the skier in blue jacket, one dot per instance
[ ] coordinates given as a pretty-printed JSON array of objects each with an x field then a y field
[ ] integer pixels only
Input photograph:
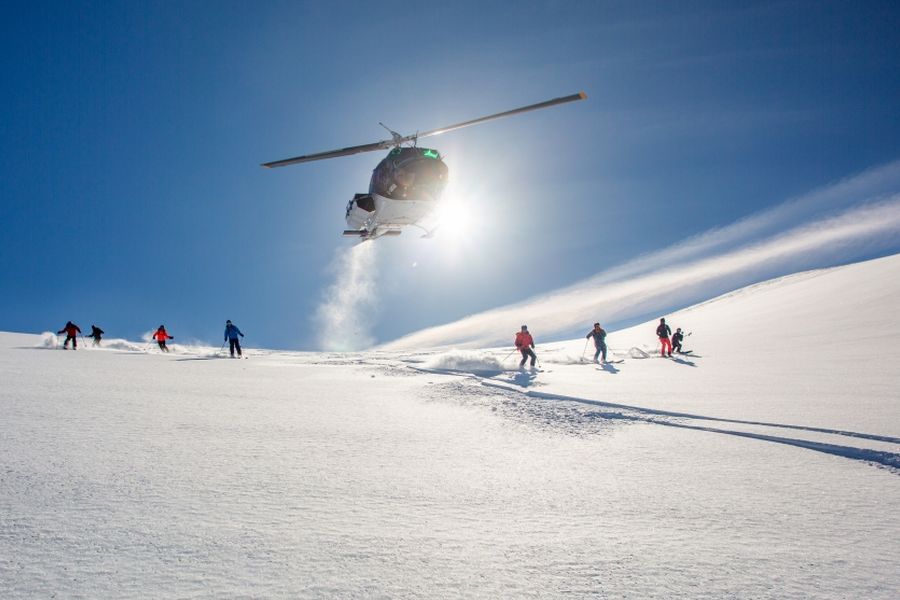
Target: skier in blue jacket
[
  {"x": 231, "y": 336},
  {"x": 599, "y": 335}
]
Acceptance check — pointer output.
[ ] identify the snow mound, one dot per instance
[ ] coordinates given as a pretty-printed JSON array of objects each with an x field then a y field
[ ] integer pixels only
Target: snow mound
[
  {"x": 635, "y": 352},
  {"x": 565, "y": 359},
  {"x": 469, "y": 361},
  {"x": 52, "y": 341},
  {"x": 123, "y": 345},
  {"x": 48, "y": 340}
]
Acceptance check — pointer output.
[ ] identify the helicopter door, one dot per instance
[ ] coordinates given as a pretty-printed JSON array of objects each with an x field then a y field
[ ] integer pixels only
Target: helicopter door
[{"x": 360, "y": 211}]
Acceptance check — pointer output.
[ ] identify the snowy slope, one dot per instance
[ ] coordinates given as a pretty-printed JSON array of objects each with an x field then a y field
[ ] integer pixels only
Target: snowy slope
[
  {"x": 764, "y": 465},
  {"x": 826, "y": 336}
]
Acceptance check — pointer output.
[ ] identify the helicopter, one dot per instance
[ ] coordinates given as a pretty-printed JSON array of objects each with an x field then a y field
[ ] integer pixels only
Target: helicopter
[{"x": 407, "y": 184}]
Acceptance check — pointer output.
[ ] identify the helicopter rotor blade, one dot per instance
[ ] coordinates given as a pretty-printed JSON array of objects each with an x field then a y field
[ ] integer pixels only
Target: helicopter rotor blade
[
  {"x": 398, "y": 139},
  {"x": 382, "y": 145},
  {"x": 508, "y": 113}
]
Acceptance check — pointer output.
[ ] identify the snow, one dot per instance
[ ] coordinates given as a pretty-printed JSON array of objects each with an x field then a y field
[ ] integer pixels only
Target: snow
[{"x": 764, "y": 464}]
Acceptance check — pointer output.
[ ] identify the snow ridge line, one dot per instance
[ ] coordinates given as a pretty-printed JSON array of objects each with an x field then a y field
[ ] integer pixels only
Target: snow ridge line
[
  {"x": 888, "y": 460},
  {"x": 653, "y": 411},
  {"x": 664, "y": 413},
  {"x": 880, "y": 458}
]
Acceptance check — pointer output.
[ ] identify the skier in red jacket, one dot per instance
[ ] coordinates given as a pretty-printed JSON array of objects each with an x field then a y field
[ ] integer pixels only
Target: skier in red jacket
[
  {"x": 525, "y": 345},
  {"x": 161, "y": 336},
  {"x": 71, "y": 330}
]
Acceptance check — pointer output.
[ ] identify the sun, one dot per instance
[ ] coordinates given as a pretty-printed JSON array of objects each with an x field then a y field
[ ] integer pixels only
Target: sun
[{"x": 453, "y": 219}]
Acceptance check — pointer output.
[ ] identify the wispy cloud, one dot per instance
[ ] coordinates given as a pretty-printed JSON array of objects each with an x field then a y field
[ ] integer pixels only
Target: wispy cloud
[
  {"x": 871, "y": 185},
  {"x": 850, "y": 219}
]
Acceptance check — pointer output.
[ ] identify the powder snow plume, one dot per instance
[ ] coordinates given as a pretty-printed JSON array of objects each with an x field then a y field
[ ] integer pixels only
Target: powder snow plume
[{"x": 345, "y": 315}]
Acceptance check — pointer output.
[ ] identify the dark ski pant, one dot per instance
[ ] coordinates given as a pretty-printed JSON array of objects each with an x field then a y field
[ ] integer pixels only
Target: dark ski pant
[
  {"x": 234, "y": 344},
  {"x": 601, "y": 349},
  {"x": 676, "y": 347},
  {"x": 162, "y": 345},
  {"x": 526, "y": 352},
  {"x": 74, "y": 342}
]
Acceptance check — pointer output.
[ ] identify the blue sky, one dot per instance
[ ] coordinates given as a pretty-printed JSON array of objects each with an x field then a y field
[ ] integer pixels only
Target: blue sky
[{"x": 132, "y": 135}]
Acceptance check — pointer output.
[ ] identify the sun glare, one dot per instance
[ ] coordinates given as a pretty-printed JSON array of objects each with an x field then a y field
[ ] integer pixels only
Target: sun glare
[
  {"x": 457, "y": 220},
  {"x": 453, "y": 219}
]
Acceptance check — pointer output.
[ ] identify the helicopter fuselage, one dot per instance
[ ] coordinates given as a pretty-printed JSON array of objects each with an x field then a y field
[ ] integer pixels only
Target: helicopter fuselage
[{"x": 405, "y": 188}]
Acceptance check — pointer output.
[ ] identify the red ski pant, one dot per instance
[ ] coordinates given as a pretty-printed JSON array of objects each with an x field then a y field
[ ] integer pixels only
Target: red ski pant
[{"x": 665, "y": 344}]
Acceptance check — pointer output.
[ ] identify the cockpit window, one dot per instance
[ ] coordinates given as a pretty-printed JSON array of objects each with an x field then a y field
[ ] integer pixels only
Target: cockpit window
[
  {"x": 410, "y": 174},
  {"x": 421, "y": 179}
]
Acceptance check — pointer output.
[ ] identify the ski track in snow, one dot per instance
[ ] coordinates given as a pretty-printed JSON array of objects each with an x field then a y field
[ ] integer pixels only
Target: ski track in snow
[
  {"x": 880, "y": 458},
  {"x": 491, "y": 374}
]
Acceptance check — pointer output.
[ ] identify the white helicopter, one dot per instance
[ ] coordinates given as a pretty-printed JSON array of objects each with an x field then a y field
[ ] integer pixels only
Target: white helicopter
[{"x": 407, "y": 184}]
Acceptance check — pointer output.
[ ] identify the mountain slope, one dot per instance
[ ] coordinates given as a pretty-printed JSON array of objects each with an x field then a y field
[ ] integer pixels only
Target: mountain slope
[
  {"x": 763, "y": 465},
  {"x": 826, "y": 336}
]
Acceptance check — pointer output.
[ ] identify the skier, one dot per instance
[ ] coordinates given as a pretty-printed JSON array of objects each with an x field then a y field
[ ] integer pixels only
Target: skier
[
  {"x": 161, "y": 336},
  {"x": 71, "y": 329},
  {"x": 663, "y": 332},
  {"x": 231, "y": 335},
  {"x": 96, "y": 334},
  {"x": 599, "y": 335},
  {"x": 676, "y": 341},
  {"x": 525, "y": 345}
]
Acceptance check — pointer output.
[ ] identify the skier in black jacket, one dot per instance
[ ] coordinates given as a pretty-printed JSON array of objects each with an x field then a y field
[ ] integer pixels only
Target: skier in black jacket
[
  {"x": 663, "y": 332},
  {"x": 96, "y": 334},
  {"x": 599, "y": 335},
  {"x": 676, "y": 340}
]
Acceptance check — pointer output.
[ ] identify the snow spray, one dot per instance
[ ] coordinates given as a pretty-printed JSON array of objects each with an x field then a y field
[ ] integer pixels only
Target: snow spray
[{"x": 344, "y": 316}]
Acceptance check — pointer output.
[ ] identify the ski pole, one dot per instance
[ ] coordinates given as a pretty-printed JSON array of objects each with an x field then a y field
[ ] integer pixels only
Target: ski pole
[
  {"x": 507, "y": 357},
  {"x": 585, "y": 350}
]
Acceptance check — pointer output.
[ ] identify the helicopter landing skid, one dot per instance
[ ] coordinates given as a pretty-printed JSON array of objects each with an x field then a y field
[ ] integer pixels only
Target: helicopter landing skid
[
  {"x": 364, "y": 235},
  {"x": 429, "y": 233}
]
